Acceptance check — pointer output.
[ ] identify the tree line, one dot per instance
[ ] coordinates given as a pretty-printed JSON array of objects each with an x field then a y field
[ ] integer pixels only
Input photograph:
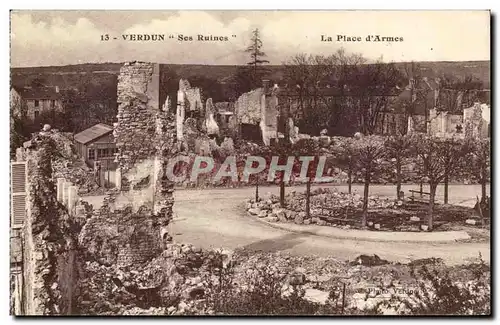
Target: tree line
[{"x": 436, "y": 161}]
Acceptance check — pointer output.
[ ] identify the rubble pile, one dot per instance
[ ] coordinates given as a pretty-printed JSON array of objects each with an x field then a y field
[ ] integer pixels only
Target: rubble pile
[
  {"x": 171, "y": 283},
  {"x": 183, "y": 279},
  {"x": 328, "y": 207}
]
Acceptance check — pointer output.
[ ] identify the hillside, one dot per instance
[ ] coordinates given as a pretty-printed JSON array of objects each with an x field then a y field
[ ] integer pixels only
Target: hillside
[{"x": 70, "y": 75}]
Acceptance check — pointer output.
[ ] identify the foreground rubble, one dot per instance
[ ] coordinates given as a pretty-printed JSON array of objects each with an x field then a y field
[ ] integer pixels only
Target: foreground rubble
[{"x": 185, "y": 280}]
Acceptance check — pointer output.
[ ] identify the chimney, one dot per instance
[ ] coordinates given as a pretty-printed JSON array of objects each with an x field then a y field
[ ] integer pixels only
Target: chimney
[
  {"x": 265, "y": 84},
  {"x": 57, "y": 89}
]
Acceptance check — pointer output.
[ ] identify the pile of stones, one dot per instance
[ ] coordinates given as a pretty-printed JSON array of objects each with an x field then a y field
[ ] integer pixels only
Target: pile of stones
[{"x": 327, "y": 207}]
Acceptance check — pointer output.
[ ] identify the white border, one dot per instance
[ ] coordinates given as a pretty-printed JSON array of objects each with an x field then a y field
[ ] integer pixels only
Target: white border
[{"x": 188, "y": 4}]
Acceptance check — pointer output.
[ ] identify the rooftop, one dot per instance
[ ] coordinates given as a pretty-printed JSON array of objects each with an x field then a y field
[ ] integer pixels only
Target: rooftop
[
  {"x": 38, "y": 92},
  {"x": 93, "y": 133}
]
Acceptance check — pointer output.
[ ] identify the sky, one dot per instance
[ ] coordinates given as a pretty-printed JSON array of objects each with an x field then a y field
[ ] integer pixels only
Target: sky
[{"x": 43, "y": 38}]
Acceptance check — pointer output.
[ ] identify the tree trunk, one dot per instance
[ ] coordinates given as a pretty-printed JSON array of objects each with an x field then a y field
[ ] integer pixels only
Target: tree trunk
[
  {"x": 365, "y": 199},
  {"x": 282, "y": 194},
  {"x": 446, "y": 181},
  {"x": 308, "y": 199},
  {"x": 483, "y": 183},
  {"x": 256, "y": 192},
  {"x": 349, "y": 180},
  {"x": 431, "y": 205},
  {"x": 398, "y": 176}
]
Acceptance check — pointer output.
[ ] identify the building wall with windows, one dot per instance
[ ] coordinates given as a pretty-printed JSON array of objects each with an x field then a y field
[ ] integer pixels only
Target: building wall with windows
[
  {"x": 35, "y": 107},
  {"x": 30, "y": 102}
]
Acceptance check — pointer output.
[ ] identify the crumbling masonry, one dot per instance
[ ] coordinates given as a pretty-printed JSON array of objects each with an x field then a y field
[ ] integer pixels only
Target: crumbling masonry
[
  {"x": 49, "y": 235},
  {"x": 145, "y": 138}
]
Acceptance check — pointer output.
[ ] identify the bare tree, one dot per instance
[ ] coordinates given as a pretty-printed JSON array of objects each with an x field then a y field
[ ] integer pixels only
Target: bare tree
[
  {"x": 308, "y": 148},
  {"x": 455, "y": 93},
  {"x": 370, "y": 151},
  {"x": 375, "y": 88},
  {"x": 345, "y": 158},
  {"x": 481, "y": 162},
  {"x": 398, "y": 148},
  {"x": 434, "y": 155}
]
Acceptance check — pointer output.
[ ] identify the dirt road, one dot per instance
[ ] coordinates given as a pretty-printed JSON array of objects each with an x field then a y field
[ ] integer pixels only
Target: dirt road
[{"x": 215, "y": 218}]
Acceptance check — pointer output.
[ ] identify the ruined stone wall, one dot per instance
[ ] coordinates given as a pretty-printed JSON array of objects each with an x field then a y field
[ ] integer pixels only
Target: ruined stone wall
[
  {"x": 128, "y": 228},
  {"x": 475, "y": 123},
  {"x": 138, "y": 103},
  {"x": 121, "y": 236},
  {"x": 248, "y": 107},
  {"x": 48, "y": 234}
]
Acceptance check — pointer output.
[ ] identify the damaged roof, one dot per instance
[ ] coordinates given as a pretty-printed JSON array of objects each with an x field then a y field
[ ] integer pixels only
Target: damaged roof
[
  {"x": 38, "y": 92},
  {"x": 93, "y": 133}
]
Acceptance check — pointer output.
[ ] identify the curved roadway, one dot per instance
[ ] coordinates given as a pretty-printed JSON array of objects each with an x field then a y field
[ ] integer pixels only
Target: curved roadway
[{"x": 215, "y": 218}]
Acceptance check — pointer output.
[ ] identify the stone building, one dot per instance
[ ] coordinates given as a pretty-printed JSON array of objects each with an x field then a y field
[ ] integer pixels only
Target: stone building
[
  {"x": 473, "y": 122},
  {"x": 30, "y": 102}
]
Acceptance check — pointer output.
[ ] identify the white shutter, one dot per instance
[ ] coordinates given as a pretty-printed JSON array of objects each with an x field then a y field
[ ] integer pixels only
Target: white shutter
[{"x": 18, "y": 193}]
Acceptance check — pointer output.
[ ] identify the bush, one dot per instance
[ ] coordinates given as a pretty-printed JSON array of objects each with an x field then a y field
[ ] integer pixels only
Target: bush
[
  {"x": 262, "y": 294},
  {"x": 441, "y": 294}
]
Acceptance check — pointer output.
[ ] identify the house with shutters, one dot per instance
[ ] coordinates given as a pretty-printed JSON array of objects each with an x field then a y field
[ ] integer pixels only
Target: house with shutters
[
  {"x": 28, "y": 103},
  {"x": 18, "y": 187}
]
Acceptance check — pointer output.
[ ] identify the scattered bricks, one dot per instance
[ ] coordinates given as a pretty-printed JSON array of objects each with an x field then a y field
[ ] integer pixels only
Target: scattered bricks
[{"x": 414, "y": 219}]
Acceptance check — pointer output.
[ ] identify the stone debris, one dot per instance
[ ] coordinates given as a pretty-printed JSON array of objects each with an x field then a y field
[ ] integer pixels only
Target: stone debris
[
  {"x": 327, "y": 208},
  {"x": 316, "y": 296}
]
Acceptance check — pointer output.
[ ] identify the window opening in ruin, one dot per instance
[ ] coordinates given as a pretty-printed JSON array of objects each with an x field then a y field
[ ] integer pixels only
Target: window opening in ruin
[
  {"x": 37, "y": 114},
  {"x": 52, "y": 103},
  {"x": 251, "y": 132},
  {"x": 37, "y": 103}
]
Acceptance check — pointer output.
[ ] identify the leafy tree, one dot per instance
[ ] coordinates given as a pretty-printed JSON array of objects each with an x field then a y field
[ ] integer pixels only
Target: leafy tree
[
  {"x": 439, "y": 158},
  {"x": 17, "y": 135},
  {"x": 369, "y": 152},
  {"x": 398, "y": 148}
]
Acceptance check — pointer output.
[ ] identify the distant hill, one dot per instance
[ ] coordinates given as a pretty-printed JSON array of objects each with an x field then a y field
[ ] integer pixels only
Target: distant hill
[{"x": 70, "y": 75}]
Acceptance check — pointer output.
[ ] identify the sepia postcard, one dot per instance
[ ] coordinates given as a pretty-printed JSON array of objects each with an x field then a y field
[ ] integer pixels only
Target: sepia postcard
[{"x": 322, "y": 163}]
